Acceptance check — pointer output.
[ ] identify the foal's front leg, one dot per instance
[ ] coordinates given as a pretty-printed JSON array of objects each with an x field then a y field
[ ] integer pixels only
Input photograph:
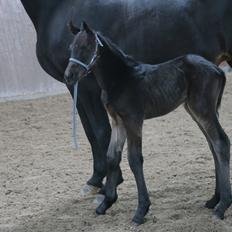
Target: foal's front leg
[
  {"x": 118, "y": 137},
  {"x": 135, "y": 158}
]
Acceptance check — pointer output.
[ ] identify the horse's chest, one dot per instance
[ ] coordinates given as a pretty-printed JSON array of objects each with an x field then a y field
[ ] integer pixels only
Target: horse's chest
[
  {"x": 52, "y": 54},
  {"x": 104, "y": 97}
]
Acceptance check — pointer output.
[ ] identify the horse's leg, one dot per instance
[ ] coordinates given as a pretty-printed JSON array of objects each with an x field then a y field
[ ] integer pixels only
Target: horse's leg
[
  {"x": 135, "y": 158},
  {"x": 96, "y": 125},
  {"x": 118, "y": 137},
  {"x": 206, "y": 117}
]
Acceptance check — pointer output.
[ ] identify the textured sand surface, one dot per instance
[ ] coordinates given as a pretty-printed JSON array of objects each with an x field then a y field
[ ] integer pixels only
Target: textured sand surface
[{"x": 41, "y": 175}]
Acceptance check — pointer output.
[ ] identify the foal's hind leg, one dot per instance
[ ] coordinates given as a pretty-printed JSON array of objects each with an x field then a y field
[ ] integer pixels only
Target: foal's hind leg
[
  {"x": 118, "y": 137},
  {"x": 216, "y": 197},
  {"x": 219, "y": 143}
]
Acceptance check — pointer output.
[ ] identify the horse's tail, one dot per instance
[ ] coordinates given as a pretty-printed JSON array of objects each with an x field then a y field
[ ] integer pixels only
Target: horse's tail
[{"x": 223, "y": 77}]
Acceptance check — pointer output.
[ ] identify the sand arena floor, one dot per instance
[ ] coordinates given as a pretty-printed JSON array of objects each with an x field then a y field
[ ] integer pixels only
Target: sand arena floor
[{"x": 41, "y": 175}]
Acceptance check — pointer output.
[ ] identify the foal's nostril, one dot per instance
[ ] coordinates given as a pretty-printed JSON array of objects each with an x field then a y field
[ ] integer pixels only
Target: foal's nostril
[
  {"x": 68, "y": 79},
  {"x": 71, "y": 77}
]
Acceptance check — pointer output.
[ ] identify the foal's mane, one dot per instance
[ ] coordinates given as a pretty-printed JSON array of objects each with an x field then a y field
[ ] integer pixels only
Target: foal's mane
[{"x": 126, "y": 59}]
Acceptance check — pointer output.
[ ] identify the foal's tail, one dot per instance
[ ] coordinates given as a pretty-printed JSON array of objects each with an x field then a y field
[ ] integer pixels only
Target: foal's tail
[
  {"x": 205, "y": 67},
  {"x": 223, "y": 77}
]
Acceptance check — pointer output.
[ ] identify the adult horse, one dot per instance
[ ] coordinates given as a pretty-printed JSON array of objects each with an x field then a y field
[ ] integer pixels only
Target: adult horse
[{"x": 151, "y": 31}]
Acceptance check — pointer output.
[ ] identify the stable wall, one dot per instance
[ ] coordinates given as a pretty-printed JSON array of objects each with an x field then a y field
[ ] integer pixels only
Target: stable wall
[{"x": 20, "y": 73}]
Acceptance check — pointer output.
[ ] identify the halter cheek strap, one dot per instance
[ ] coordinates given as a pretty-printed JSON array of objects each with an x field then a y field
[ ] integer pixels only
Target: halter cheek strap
[
  {"x": 88, "y": 66},
  {"x": 98, "y": 40}
]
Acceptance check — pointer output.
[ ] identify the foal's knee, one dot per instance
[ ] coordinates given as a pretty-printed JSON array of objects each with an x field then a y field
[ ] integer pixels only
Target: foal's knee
[{"x": 113, "y": 160}]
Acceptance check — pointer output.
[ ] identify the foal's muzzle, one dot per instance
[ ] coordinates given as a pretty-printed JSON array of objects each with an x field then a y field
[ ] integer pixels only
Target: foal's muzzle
[
  {"x": 74, "y": 73},
  {"x": 70, "y": 79}
]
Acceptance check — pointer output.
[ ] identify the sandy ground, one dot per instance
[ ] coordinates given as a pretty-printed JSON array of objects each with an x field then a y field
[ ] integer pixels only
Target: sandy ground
[{"x": 41, "y": 175}]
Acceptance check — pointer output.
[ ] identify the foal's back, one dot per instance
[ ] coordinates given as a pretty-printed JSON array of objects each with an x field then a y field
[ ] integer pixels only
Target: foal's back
[{"x": 165, "y": 86}]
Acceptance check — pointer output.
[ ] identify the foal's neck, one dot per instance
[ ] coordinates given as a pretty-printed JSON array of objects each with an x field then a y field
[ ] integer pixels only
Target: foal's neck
[{"x": 112, "y": 68}]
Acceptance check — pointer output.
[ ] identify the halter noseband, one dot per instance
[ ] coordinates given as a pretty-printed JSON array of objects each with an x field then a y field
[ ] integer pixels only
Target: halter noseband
[
  {"x": 88, "y": 66},
  {"x": 73, "y": 60}
]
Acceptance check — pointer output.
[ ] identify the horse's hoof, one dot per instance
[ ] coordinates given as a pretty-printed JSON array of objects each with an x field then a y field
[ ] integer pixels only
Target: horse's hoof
[
  {"x": 99, "y": 199},
  {"x": 89, "y": 190}
]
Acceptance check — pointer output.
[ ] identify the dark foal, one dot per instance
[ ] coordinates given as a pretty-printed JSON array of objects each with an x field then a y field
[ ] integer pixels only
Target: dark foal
[{"x": 133, "y": 91}]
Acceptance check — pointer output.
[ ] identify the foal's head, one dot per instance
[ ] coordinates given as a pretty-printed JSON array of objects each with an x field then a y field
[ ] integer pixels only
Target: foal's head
[{"x": 84, "y": 52}]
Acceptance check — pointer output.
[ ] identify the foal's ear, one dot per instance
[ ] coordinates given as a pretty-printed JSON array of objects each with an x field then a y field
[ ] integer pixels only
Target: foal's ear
[
  {"x": 73, "y": 28},
  {"x": 85, "y": 27}
]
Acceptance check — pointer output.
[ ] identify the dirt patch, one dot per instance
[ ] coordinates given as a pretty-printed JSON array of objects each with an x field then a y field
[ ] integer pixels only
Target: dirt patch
[{"x": 41, "y": 175}]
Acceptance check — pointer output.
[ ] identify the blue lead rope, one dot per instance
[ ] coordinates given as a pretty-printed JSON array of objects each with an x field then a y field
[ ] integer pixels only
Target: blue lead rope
[{"x": 74, "y": 121}]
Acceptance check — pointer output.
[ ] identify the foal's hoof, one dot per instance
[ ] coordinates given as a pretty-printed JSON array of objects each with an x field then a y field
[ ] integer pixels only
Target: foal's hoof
[
  {"x": 136, "y": 221},
  {"x": 221, "y": 207},
  {"x": 217, "y": 215},
  {"x": 101, "y": 209},
  {"x": 106, "y": 204},
  {"x": 141, "y": 213},
  {"x": 99, "y": 199},
  {"x": 218, "y": 212},
  {"x": 89, "y": 190}
]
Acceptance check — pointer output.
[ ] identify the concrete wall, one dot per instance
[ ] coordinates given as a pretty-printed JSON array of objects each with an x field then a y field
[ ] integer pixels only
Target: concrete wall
[{"x": 20, "y": 73}]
